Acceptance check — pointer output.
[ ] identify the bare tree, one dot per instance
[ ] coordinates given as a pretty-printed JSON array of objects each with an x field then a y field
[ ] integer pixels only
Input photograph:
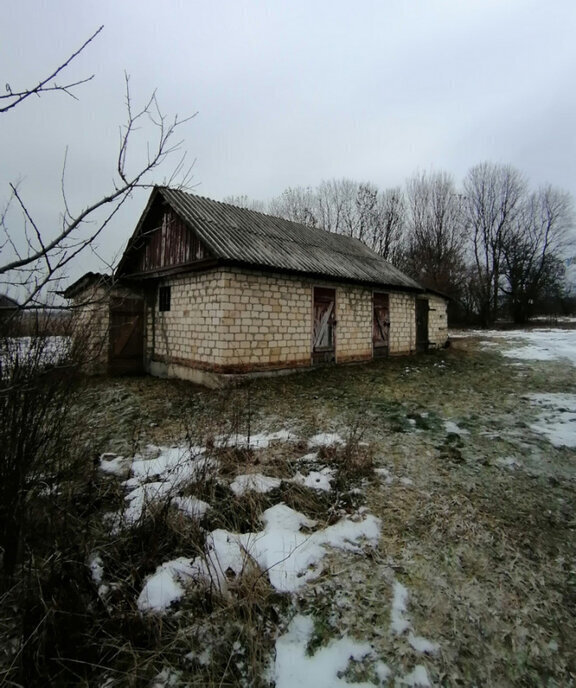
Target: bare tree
[
  {"x": 243, "y": 201},
  {"x": 435, "y": 243},
  {"x": 33, "y": 256},
  {"x": 381, "y": 220},
  {"x": 336, "y": 201},
  {"x": 343, "y": 206},
  {"x": 298, "y": 204},
  {"x": 494, "y": 197},
  {"x": 533, "y": 249}
]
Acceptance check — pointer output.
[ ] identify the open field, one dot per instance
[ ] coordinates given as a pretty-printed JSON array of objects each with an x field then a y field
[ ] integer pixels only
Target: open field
[{"x": 427, "y": 537}]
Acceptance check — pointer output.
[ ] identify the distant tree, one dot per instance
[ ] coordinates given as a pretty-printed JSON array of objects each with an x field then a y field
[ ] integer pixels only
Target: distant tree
[
  {"x": 434, "y": 247},
  {"x": 298, "y": 204},
  {"x": 343, "y": 206},
  {"x": 337, "y": 209},
  {"x": 382, "y": 220},
  {"x": 494, "y": 198},
  {"x": 244, "y": 201},
  {"x": 533, "y": 249}
]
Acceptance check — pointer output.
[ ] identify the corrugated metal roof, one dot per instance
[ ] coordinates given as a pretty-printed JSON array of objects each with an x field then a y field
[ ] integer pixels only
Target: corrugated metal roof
[{"x": 246, "y": 237}]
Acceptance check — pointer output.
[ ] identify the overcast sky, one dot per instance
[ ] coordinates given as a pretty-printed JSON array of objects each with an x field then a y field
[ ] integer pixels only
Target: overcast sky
[{"x": 289, "y": 93}]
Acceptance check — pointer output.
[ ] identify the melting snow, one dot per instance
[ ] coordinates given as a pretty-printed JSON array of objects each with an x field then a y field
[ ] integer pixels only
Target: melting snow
[
  {"x": 385, "y": 474},
  {"x": 255, "y": 482},
  {"x": 289, "y": 557},
  {"x": 508, "y": 462},
  {"x": 422, "y": 644},
  {"x": 163, "y": 477},
  {"x": 317, "y": 480},
  {"x": 165, "y": 585},
  {"x": 191, "y": 506},
  {"x": 451, "y": 427},
  {"x": 114, "y": 465},
  {"x": 96, "y": 566},
  {"x": 325, "y": 439},
  {"x": 294, "y": 667},
  {"x": 399, "y": 622},
  {"x": 557, "y": 419},
  {"x": 537, "y": 345},
  {"x": 259, "y": 441},
  {"x": 417, "y": 678}
]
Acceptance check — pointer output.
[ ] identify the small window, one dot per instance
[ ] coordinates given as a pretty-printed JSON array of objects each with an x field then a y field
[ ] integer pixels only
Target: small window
[{"x": 164, "y": 298}]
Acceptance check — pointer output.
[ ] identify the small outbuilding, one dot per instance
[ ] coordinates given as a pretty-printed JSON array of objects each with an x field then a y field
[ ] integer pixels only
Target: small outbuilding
[
  {"x": 207, "y": 290},
  {"x": 9, "y": 314}
]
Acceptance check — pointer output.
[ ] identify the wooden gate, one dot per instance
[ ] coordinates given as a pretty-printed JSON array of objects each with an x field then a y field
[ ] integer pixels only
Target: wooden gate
[
  {"x": 380, "y": 325},
  {"x": 422, "y": 309},
  {"x": 126, "y": 353},
  {"x": 323, "y": 338}
]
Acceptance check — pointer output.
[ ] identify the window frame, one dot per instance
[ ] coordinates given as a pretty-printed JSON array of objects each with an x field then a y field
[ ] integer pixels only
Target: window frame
[{"x": 164, "y": 298}]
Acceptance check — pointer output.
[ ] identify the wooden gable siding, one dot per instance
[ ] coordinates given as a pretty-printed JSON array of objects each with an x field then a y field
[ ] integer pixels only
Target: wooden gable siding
[{"x": 169, "y": 244}]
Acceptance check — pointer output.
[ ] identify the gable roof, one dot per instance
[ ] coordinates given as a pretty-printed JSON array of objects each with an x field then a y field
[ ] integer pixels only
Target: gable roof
[
  {"x": 242, "y": 237},
  {"x": 88, "y": 279}
]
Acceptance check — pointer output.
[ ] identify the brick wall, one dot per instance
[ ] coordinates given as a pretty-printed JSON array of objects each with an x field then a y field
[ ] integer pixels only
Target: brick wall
[
  {"x": 234, "y": 320},
  {"x": 402, "y": 323},
  {"x": 190, "y": 331},
  {"x": 354, "y": 328},
  {"x": 91, "y": 320},
  {"x": 266, "y": 320},
  {"x": 437, "y": 322}
]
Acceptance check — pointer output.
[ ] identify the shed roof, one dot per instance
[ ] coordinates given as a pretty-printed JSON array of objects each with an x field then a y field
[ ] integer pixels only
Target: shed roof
[
  {"x": 88, "y": 279},
  {"x": 248, "y": 238}
]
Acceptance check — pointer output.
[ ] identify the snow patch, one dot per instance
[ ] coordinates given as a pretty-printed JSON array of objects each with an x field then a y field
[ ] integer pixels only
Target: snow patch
[
  {"x": 546, "y": 344},
  {"x": 326, "y": 439},
  {"x": 423, "y": 645},
  {"x": 191, "y": 506},
  {"x": 417, "y": 678},
  {"x": 114, "y": 465},
  {"x": 165, "y": 585},
  {"x": 294, "y": 667},
  {"x": 259, "y": 441},
  {"x": 557, "y": 420},
  {"x": 288, "y": 556},
  {"x": 399, "y": 621},
  {"x": 451, "y": 427},
  {"x": 163, "y": 477},
  {"x": 96, "y": 566},
  {"x": 384, "y": 474},
  {"x": 317, "y": 480},
  {"x": 255, "y": 482},
  {"x": 508, "y": 462}
]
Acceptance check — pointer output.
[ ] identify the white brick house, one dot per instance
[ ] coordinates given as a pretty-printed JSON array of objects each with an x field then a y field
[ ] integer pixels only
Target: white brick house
[{"x": 205, "y": 289}]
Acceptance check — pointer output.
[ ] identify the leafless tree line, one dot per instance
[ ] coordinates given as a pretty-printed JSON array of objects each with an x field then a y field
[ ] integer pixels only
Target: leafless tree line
[{"x": 493, "y": 244}]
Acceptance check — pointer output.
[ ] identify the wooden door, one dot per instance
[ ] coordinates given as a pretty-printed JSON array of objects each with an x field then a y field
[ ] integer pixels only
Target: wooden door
[
  {"x": 323, "y": 338},
  {"x": 380, "y": 325},
  {"x": 422, "y": 325},
  {"x": 126, "y": 353}
]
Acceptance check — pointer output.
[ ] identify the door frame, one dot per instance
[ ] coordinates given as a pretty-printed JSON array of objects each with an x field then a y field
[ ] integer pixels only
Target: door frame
[
  {"x": 421, "y": 311},
  {"x": 126, "y": 332},
  {"x": 323, "y": 296},
  {"x": 380, "y": 344}
]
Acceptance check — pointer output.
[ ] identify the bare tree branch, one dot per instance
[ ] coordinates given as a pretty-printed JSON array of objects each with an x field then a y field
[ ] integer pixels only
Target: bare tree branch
[
  {"x": 32, "y": 256},
  {"x": 14, "y": 98}
]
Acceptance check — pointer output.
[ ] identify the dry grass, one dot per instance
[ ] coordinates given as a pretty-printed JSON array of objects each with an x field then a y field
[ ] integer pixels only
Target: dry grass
[{"x": 488, "y": 554}]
